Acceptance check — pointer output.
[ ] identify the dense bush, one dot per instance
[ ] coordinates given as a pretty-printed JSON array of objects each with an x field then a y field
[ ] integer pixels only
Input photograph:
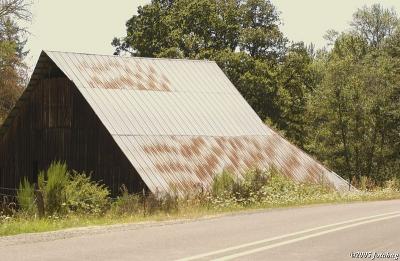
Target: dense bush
[
  {"x": 82, "y": 195},
  {"x": 253, "y": 181},
  {"x": 283, "y": 191},
  {"x": 64, "y": 193},
  {"x": 222, "y": 184},
  {"x": 263, "y": 188}
]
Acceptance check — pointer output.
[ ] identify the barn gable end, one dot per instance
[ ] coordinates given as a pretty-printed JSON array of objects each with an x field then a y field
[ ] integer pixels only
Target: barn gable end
[
  {"x": 176, "y": 122},
  {"x": 55, "y": 122}
]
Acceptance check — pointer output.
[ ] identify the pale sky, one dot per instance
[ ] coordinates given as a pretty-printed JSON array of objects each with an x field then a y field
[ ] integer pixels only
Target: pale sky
[{"x": 88, "y": 26}]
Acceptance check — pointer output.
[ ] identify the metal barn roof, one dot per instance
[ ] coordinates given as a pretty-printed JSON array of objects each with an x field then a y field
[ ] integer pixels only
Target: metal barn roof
[{"x": 180, "y": 122}]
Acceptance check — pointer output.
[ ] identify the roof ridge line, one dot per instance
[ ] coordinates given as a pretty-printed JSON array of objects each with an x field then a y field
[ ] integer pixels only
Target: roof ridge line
[
  {"x": 190, "y": 135},
  {"x": 133, "y": 57}
]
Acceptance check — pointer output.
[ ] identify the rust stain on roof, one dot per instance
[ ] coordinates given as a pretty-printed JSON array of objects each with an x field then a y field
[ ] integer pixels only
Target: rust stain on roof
[
  {"x": 198, "y": 142},
  {"x": 212, "y": 162},
  {"x": 114, "y": 75},
  {"x": 213, "y": 155},
  {"x": 292, "y": 163},
  {"x": 217, "y": 151},
  {"x": 315, "y": 173},
  {"x": 186, "y": 151}
]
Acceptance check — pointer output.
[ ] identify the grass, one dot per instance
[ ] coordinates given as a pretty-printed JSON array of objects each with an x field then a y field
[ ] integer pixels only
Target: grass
[
  {"x": 23, "y": 224},
  {"x": 258, "y": 190}
]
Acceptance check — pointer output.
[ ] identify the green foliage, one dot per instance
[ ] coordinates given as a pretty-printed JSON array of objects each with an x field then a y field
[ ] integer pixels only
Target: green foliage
[
  {"x": 26, "y": 196},
  {"x": 393, "y": 184},
  {"x": 253, "y": 180},
  {"x": 150, "y": 204},
  {"x": 56, "y": 179},
  {"x": 84, "y": 195},
  {"x": 193, "y": 27},
  {"x": 42, "y": 180},
  {"x": 283, "y": 191},
  {"x": 11, "y": 77},
  {"x": 260, "y": 35},
  {"x": 128, "y": 203},
  {"x": 270, "y": 188},
  {"x": 297, "y": 79},
  {"x": 167, "y": 203},
  {"x": 354, "y": 114},
  {"x": 375, "y": 23},
  {"x": 65, "y": 193},
  {"x": 12, "y": 41},
  {"x": 223, "y": 183},
  {"x": 261, "y": 187}
]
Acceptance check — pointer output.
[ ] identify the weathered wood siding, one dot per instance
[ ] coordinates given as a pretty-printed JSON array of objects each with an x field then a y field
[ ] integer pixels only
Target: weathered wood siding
[{"x": 56, "y": 123}]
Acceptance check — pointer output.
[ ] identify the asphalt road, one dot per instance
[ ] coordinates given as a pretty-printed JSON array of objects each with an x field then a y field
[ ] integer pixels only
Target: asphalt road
[{"x": 328, "y": 232}]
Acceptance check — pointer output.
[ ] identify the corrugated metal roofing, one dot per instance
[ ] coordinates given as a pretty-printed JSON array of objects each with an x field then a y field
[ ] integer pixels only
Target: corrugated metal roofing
[{"x": 180, "y": 122}]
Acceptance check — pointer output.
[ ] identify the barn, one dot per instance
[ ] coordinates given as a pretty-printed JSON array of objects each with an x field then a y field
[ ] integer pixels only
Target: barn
[{"x": 160, "y": 124}]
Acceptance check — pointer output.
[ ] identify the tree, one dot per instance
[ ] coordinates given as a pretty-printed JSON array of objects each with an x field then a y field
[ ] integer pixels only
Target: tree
[
  {"x": 12, "y": 67},
  {"x": 183, "y": 28},
  {"x": 354, "y": 112},
  {"x": 192, "y": 27},
  {"x": 260, "y": 35},
  {"x": 297, "y": 78},
  {"x": 375, "y": 23}
]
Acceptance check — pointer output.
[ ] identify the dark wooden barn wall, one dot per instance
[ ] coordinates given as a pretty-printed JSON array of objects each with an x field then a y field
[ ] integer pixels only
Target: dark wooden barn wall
[{"x": 57, "y": 123}]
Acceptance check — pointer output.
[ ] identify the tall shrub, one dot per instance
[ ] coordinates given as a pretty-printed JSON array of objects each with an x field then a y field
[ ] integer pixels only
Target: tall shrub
[
  {"x": 54, "y": 181},
  {"x": 26, "y": 196}
]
